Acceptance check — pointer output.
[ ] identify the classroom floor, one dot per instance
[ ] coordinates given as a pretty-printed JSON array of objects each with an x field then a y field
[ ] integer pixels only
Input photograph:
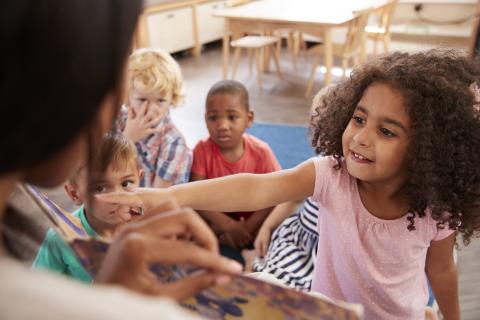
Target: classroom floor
[{"x": 283, "y": 102}]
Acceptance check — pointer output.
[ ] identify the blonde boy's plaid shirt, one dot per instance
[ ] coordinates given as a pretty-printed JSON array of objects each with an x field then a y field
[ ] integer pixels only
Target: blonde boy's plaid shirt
[{"x": 164, "y": 154}]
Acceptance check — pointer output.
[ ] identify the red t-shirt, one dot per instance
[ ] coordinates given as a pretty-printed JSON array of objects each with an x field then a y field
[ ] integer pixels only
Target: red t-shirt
[{"x": 209, "y": 162}]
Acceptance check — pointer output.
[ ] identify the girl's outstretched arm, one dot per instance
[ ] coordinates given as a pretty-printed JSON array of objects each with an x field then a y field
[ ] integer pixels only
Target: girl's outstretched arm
[
  {"x": 247, "y": 192},
  {"x": 442, "y": 275},
  {"x": 240, "y": 192}
]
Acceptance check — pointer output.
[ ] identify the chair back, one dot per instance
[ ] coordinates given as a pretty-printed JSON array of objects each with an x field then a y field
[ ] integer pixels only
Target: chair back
[
  {"x": 356, "y": 33},
  {"x": 386, "y": 15}
]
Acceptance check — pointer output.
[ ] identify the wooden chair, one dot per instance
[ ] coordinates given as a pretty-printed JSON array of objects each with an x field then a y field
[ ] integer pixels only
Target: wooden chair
[
  {"x": 255, "y": 43},
  {"x": 295, "y": 43},
  {"x": 350, "y": 49},
  {"x": 381, "y": 32},
  {"x": 475, "y": 35}
]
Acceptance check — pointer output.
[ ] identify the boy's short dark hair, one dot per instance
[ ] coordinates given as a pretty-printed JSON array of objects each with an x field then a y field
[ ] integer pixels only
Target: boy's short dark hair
[{"x": 230, "y": 87}]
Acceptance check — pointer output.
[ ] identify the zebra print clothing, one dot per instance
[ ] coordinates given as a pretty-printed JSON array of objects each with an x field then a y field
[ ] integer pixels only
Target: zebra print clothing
[{"x": 292, "y": 250}]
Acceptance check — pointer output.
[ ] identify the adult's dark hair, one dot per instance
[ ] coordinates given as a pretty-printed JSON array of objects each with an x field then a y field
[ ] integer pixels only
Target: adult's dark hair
[
  {"x": 230, "y": 87},
  {"x": 58, "y": 62},
  {"x": 443, "y": 156}
]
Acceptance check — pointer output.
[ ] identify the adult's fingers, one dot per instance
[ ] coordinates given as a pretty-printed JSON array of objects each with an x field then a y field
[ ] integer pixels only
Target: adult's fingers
[
  {"x": 176, "y": 223},
  {"x": 167, "y": 251},
  {"x": 128, "y": 259}
]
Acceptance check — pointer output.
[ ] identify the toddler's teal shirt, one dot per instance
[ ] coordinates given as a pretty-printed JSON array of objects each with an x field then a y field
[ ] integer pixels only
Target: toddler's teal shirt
[{"x": 55, "y": 254}]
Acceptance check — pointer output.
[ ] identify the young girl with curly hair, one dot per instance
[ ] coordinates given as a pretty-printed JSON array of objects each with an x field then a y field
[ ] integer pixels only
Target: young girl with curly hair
[{"x": 400, "y": 177}]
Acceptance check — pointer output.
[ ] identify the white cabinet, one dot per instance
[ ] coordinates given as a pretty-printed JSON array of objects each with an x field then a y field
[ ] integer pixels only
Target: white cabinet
[
  {"x": 210, "y": 28},
  {"x": 171, "y": 30}
]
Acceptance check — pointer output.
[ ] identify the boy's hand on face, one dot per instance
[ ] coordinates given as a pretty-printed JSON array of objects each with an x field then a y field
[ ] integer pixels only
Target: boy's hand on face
[{"x": 141, "y": 122}]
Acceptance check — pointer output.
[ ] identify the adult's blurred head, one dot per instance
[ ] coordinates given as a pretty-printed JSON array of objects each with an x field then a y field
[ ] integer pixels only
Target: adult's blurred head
[{"x": 61, "y": 80}]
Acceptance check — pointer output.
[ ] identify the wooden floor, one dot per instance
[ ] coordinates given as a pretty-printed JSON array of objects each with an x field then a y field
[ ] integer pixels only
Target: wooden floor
[{"x": 282, "y": 101}]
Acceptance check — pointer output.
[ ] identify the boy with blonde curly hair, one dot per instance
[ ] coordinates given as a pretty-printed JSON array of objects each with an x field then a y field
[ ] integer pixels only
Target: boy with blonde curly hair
[{"x": 154, "y": 86}]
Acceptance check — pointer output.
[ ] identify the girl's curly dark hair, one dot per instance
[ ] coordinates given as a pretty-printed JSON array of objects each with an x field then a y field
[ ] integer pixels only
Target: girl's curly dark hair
[{"x": 444, "y": 153}]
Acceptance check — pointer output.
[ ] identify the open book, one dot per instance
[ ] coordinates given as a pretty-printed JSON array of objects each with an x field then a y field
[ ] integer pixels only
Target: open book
[{"x": 244, "y": 298}]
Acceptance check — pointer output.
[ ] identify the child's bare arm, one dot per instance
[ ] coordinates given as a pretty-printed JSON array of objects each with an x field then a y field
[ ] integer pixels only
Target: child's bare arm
[
  {"x": 245, "y": 192},
  {"x": 218, "y": 221},
  {"x": 160, "y": 183},
  {"x": 239, "y": 192},
  {"x": 442, "y": 275}
]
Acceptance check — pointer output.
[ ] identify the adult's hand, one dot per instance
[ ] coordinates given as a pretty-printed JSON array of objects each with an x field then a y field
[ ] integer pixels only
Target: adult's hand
[{"x": 167, "y": 235}]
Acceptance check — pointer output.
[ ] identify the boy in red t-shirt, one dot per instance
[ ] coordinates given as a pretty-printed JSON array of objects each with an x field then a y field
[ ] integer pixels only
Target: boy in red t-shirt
[{"x": 229, "y": 150}]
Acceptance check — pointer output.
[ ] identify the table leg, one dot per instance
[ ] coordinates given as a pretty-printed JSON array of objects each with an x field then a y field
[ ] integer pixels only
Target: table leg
[
  {"x": 226, "y": 49},
  {"x": 141, "y": 34},
  {"x": 266, "y": 53},
  {"x": 328, "y": 56}
]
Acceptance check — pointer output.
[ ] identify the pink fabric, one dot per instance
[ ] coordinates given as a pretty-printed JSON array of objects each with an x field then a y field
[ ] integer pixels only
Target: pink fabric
[
  {"x": 209, "y": 162},
  {"x": 367, "y": 260}
]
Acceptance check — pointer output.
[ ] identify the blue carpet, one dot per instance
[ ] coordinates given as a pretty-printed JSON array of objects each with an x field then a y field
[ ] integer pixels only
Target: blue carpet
[{"x": 290, "y": 144}]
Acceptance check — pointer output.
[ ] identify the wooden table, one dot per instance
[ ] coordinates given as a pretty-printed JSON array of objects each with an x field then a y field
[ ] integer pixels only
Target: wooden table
[{"x": 310, "y": 16}]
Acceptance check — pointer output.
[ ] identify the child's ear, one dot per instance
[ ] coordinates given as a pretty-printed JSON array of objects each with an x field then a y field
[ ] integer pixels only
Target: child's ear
[
  {"x": 250, "y": 117},
  {"x": 141, "y": 173},
  {"x": 73, "y": 194}
]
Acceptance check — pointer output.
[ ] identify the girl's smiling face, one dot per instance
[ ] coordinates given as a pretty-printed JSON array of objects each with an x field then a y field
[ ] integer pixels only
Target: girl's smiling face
[{"x": 375, "y": 140}]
